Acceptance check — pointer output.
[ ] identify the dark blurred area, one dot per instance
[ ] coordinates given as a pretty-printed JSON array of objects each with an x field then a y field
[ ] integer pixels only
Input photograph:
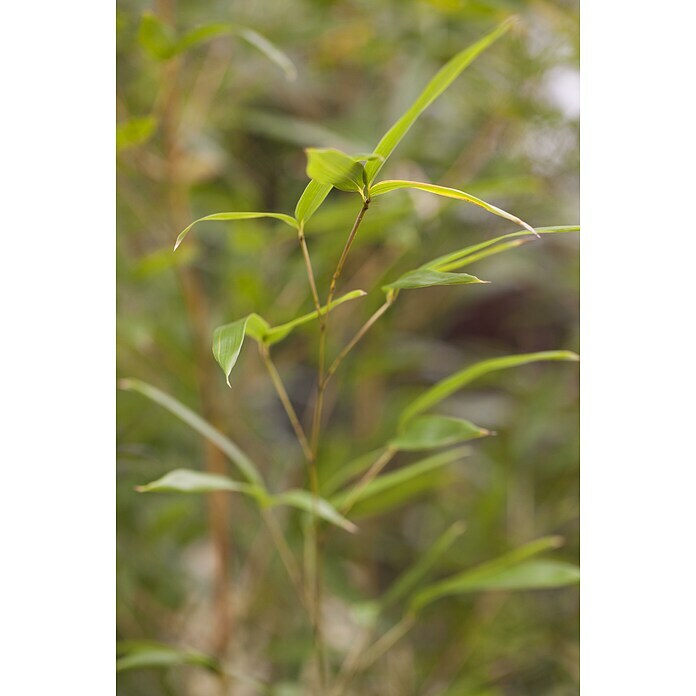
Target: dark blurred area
[{"x": 227, "y": 134}]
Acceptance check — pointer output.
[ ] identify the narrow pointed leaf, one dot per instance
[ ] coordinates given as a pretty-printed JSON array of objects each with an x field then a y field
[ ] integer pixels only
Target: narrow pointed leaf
[
  {"x": 246, "y": 467},
  {"x": 407, "y": 581},
  {"x": 460, "y": 379},
  {"x": 156, "y": 37},
  {"x": 304, "y": 500},
  {"x": 190, "y": 481},
  {"x": 429, "y": 432},
  {"x": 310, "y": 200},
  {"x": 461, "y": 257},
  {"x": 426, "y": 278},
  {"x": 330, "y": 166},
  {"x": 502, "y": 573},
  {"x": 149, "y": 654},
  {"x": 278, "y": 333},
  {"x": 442, "y": 80},
  {"x": 386, "y": 482},
  {"x": 387, "y": 186},
  {"x": 287, "y": 219}
]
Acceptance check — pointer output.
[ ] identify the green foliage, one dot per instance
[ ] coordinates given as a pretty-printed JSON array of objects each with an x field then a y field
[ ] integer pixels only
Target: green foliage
[{"x": 223, "y": 133}]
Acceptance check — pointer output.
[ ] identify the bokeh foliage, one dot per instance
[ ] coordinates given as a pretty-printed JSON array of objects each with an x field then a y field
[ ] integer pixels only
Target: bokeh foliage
[{"x": 506, "y": 131}]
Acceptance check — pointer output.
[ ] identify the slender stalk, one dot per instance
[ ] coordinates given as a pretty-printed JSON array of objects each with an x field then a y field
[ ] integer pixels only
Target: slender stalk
[
  {"x": 285, "y": 400},
  {"x": 367, "y": 478},
  {"x": 310, "y": 273},
  {"x": 353, "y": 341}
]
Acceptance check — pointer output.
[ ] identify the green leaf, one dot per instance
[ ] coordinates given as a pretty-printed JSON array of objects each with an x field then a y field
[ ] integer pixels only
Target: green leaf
[
  {"x": 190, "y": 481},
  {"x": 429, "y": 432},
  {"x": 148, "y": 654},
  {"x": 512, "y": 571},
  {"x": 331, "y": 166},
  {"x": 287, "y": 219},
  {"x": 156, "y": 37},
  {"x": 246, "y": 467},
  {"x": 278, "y": 333},
  {"x": 310, "y": 200},
  {"x": 304, "y": 500},
  {"x": 442, "y": 80},
  {"x": 160, "y": 41},
  {"x": 405, "y": 583},
  {"x": 229, "y": 338},
  {"x": 454, "y": 382},
  {"x": 396, "y": 479},
  {"x": 386, "y": 186},
  {"x": 134, "y": 131},
  {"x": 462, "y": 257},
  {"x": 426, "y": 278}
]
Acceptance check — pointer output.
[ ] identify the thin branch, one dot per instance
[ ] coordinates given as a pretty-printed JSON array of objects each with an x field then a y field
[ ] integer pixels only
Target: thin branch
[
  {"x": 367, "y": 478},
  {"x": 310, "y": 273}
]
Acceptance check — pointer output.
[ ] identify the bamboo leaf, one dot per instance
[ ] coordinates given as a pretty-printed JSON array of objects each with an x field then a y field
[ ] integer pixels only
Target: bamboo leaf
[
  {"x": 310, "y": 200},
  {"x": 330, "y": 166},
  {"x": 462, "y": 257},
  {"x": 442, "y": 80},
  {"x": 278, "y": 333},
  {"x": 426, "y": 278},
  {"x": 304, "y": 500},
  {"x": 190, "y": 481},
  {"x": 407, "y": 581},
  {"x": 454, "y": 382},
  {"x": 149, "y": 654},
  {"x": 396, "y": 479},
  {"x": 229, "y": 338},
  {"x": 287, "y": 219},
  {"x": 429, "y": 432},
  {"x": 246, "y": 467},
  {"x": 387, "y": 186},
  {"x": 134, "y": 131},
  {"x": 512, "y": 571}
]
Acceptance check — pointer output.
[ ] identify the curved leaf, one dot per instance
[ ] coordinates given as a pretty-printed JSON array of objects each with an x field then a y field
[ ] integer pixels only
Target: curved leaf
[
  {"x": 244, "y": 464},
  {"x": 462, "y": 257},
  {"x": 454, "y": 382},
  {"x": 134, "y": 131},
  {"x": 442, "y": 80},
  {"x": 426, "y": 278},
  {"x": 304, "y": 500},
  {"x": 229, "y": 338},
  {"x": 310, "y": 200},
  {"x": 429, "y": 432},
  {"x": 511, "y": 571},
  {"x": 149, "y": 654},
  {"x": 190, "y": 481},
  {"x": 287, "y": 219},
  {"x": 387, "y": 186},
  {"x": 331, "y": 166}
]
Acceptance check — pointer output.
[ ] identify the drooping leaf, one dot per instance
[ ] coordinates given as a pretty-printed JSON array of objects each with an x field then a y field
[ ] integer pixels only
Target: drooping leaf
[
  {"x": 310, "y": 200},
  {"x": 454, "y": 382},
  {"x": 134, "y": 131},
  {"x": 330, "y": 166},
  {"x": 149, "y": 654},
  {"x": 229, "y": 338},
  {"x": 190, "y": 481},
  {"x": 386, "y": 186},
  {"x": 443, "y": 79},
  {"x": 408, "y": 580},
  {"x": 426, "y": 278},
  {"x": 160, "y": 41},
  {"x": 246, "y": 467},
  {"x": 304, "y": 500},
  {"x": 430, "y": 432},
  {"x": 512, "y": 571},
  {"x": 287, "y": 219},
  {"x": 462, "y": 257},
  {"x": 396, "y": 479}
]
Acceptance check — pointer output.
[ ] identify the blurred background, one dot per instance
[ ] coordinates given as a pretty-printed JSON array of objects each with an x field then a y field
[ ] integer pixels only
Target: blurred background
[{"x": 221, "y": 128}]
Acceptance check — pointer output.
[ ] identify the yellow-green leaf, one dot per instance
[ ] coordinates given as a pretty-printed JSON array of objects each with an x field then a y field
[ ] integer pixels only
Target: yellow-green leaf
[
  {"x": 426, "y": 278},
  {"x": 429, "y": 432}
]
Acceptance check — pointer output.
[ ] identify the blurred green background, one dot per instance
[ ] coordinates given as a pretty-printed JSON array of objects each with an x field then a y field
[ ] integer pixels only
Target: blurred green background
[{"x": 224, "y": 130}]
